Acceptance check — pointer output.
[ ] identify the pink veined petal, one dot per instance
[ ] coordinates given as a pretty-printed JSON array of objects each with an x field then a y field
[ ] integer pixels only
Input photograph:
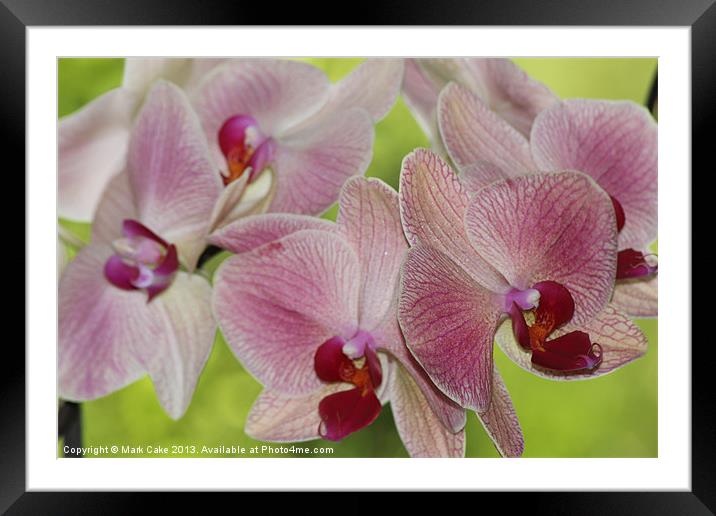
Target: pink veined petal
[
  {"x": 638, "y": 297},
  {"x": 616, "y": 144},
  {"x": 251, "y": 232},
  {"x": 179, "y": 342},
  {"x": 278, "y": 303},
  {"x": 419, "y": 428},
  {"x": 449, "y": 322},
  {"x": 277, "y": 417},
  {"x": 92, "y": 148},
  {"x": 95, "y": 343},
  {"x": 621, "y": 340},
  {"x": 554, "y": 226},
  {"x": 116, "y": 206},
  {"x": 511, "y": 93},
  {"x": 369, "y": 219},
  {"x": 373, "y": 86},
  {"x": 500, "y": 420},
  {"x": 472, "y": 132},
  {"x": 479, "y": 174},
  {"x": 277, "y": 93},
  {"x": 424, "y": 79},
  {"x": 432, "y": 208},
  {"x": 421, "y": 95},
  {"x": 389, "y": 337},
  {"x": 174, "y": 181},
  {"x": 311, "y": 164}
]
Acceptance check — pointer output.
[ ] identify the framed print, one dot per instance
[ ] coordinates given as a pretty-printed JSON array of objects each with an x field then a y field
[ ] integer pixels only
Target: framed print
[{"x": 422, "y": 256}]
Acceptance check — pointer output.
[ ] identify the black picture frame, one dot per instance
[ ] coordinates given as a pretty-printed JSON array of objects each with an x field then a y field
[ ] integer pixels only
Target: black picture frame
[{"x": 699, "y": 15}]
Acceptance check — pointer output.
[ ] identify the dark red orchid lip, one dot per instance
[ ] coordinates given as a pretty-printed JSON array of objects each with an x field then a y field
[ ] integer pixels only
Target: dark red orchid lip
[
  {"x": 143, "y": 261},
  {"x": 346, "y": 412},
  {"x": 568, "y": 353},
  {"x": 245, "y": 147},
  {"x": 630, "y": 262},
  {"x": 633, "y": 264}
]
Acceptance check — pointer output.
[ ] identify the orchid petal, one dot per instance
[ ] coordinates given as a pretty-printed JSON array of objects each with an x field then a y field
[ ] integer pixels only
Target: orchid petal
[
  {"x": 95, "y": 343},
  {"x": 432, "y": 208},
  {"x": 554, "y": 226},
  {"x": 369, "y": 218},
  {"x": 513, "y": 94},
  {"x": 389, "y": 337},
  {"x": 276, "y": 417},
  {"x": 251, "y": 232},
  {"x": 449, "y": 321},
  {"x": 638, "y": 297},
  {"x": 616, "y": 144},
  {"x": 92, "y": 148},
  {"x": 500, "y": 420},
  {"x": 178, "y": 351},
  {"x": 504, "y": 87},
  {"x": 278, "y": 303},
  {"x": 479, "y": 174},
  {"x": 173, "y": 179},
  {"x": 311, "y": 164},
  {"x": 472, "y": 132},
  {"x": 228, "y": 200},
  {"x": 115, "y": 206},
  {"x": 141, "y": 72},
  {"x": 621, "y": 340},
  {"x": 422, "y": 433},
  {"x": 242, "y": 198},
  {"x": 277, "y": 93},
  {"x": 373, "y": 86},
  {"x": 421, "y": 96}
]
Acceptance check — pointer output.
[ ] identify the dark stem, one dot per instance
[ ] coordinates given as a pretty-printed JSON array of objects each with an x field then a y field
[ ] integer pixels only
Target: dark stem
[
  {"x": 69, "y": 425},
  {"x": 207, "y": 255},
  {"x": 653, "y": 94}
]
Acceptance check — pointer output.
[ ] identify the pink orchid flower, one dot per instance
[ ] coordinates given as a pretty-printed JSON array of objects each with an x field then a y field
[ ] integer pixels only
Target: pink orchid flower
[
  {"x": 501, "y": 84},
  {"x": 126, "y": 308},
  {"x": 310, "y": 309},
  {"x": 259, "y": 115},
  {"x": 517, "y": 250},
  {"x": 284, "y": 138},
  {"x": 93, "y": 141},
  {"x": 614, "y": 142}
]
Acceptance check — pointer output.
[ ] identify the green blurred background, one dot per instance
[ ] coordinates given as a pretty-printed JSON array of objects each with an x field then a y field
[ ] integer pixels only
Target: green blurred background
[{"x": 610, "y": 416}]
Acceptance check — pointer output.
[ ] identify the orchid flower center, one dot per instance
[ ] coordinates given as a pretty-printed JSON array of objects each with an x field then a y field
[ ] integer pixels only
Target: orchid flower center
[
  {"x": 245, "y": 147},
  {"x": 630, "y": 262},
  {"x": 354, "y": 362},
  {"x": 550, "y": 306},
  {"x": 141, "y": 261}
]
